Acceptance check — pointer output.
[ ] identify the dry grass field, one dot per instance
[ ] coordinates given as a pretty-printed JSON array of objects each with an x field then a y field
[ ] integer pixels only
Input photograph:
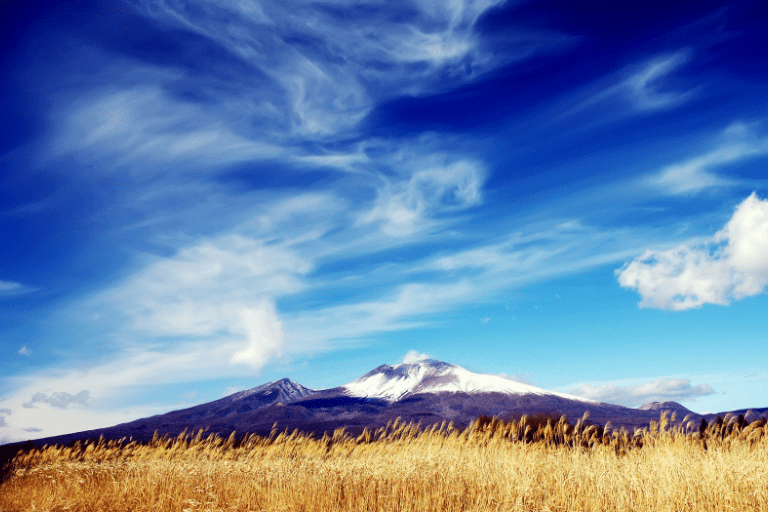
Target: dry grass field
[{"x": 527, "y": 465}]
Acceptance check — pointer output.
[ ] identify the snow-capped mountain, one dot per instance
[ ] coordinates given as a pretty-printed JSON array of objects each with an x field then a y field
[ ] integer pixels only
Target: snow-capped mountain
[
  {"x": 427, "y": 392},
  {"x": 394, "y": 383}
]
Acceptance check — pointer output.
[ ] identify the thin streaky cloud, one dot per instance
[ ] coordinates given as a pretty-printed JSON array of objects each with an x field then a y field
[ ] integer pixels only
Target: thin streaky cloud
[
  {"x": 738, "y": 142},
  {"x": 640, "y": 88},
  {"x": 142, "y": 125},
  {"x": 646, "y": 89},
  {"x": 12, "y": 288}
]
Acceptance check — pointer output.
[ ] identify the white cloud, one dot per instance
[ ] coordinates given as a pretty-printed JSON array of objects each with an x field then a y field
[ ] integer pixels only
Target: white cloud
[
  {"x": 732, "y": 265},
  {"x": 334, "y": 61},
  {"x": 24, "y": 351},
  {"x": 645, "y": 86},
  {"x": 9, "y": 286},
  {"x": 739, "y": 142},
  {"x": 405, "y": 207},
  {"x": 59, "y": 399},
  {"x": 143, "y": 124},
  {"x": 413, "y": 356},
  {"x": 216, "y": 286},
  {"x": 265, "y": 336},
  {"x": 326, "y": 327},
  {"x": 12, "y": 288},
  {"x": 543, "y": 250},
  {"x": 661, "y": 390}
]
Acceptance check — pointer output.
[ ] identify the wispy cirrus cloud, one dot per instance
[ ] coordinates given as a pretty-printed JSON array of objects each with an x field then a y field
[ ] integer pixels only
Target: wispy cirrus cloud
[
  {"x": 12, "y": 288},
  {"x": 143, "y": 124},
  {"x": 332, "y": 63},
  {"x": 731, "y": 265},
  {"x": 646, "y": 87},
  {"x": 738, "y": 142},
  {"x": 405, "y": 206},
  {"x": 642, "y": 87},
  {"x": 661, "y": 390}
]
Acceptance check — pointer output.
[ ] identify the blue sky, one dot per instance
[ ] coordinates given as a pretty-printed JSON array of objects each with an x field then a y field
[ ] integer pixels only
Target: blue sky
[{"x": 198, "y": 197}]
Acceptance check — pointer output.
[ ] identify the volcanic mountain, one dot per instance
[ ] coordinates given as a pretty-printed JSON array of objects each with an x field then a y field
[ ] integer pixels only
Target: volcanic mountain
[
  {"x": 394, "y": 383},
  {"x": 426, "y": 392}
]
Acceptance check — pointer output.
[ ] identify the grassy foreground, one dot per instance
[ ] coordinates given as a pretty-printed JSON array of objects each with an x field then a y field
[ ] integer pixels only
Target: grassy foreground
[{"x": 526, "y": 465}]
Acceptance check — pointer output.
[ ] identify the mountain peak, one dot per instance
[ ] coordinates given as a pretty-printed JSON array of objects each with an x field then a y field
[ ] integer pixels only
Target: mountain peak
[
  {"x": 396, "y": 382},
  {"x": 665, "y": 406},
  {"x": 283, "y": 390}
]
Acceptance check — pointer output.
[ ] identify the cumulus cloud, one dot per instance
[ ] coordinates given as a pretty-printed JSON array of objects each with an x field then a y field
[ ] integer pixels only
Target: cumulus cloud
[
  {"x": 59, "y": 399},
  {"x": 661, "y": 390},
  {"x": 24, "y": 351},
  {"x": 414, "y": 356},
  {"x": 739, "y": 141},
  {"x": 731, "y": 265}
]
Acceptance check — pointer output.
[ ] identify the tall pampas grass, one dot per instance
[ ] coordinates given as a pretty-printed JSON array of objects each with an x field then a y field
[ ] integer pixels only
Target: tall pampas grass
[{"x": 532, "y": 464}]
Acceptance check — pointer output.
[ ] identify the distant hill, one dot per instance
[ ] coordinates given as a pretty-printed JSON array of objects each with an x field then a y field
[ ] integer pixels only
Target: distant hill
[{"x": 670, "y": 407}]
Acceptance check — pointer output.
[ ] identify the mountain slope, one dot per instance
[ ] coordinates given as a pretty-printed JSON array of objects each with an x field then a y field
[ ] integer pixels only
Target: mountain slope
[{"x": 254, "y": 399}]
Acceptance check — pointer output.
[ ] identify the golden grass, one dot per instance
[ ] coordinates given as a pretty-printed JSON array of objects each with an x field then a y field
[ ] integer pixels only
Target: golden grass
[{"x": 521, "y": 465}]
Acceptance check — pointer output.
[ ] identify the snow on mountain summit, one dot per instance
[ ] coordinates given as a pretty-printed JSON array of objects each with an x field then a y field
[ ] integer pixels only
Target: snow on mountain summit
[{"x": 430, "y": 376}]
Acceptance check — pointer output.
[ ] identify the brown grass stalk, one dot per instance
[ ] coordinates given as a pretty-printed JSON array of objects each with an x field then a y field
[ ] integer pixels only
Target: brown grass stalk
[{"x": 533, "y": 464}]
